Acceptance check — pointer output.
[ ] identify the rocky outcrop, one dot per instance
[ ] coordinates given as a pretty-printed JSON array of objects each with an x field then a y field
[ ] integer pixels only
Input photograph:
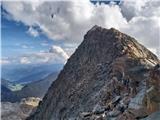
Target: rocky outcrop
[
  {"x": 106, "y": 78},
  {"x": 18, "y": 111},
  {"x": 152, "y": 98}
]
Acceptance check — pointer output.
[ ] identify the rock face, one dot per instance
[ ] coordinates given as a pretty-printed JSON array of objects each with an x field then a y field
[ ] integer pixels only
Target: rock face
[
  {"x": 152, "y": 98},
  {"x": 18, "y": 111},
  {"x": 106, "y": 78},
  {"x": 154, "y": 116}
]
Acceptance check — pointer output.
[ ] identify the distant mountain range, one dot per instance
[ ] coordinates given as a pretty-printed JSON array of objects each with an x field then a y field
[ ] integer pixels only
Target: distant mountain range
[
  {"x": 32, "y": 89},
  {"x": 37, "y": 88},
  {"x": 11, "y": 85},
  {"x": 6, "y": 93},
  {"x": 23, "y": 74}
]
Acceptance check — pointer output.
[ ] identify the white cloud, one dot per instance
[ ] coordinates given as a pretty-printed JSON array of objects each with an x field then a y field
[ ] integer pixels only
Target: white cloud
[
  {"x": 56, "y": 55},
  {"x": 146, "y": 30},
  {"x": 136, "y": 8},
  {"x": 33, "y": 32},
  {"x": 44, "y": 44},
  {"x": 41, "y": 57},
  {"x": 69, "y": 48},
  {"x": 4, "y": 61},
  {"x": 25, "y": 46},
  {"x": 59, "y": 51},
  {"x": 132, "y": 8},
  {"x": 70, "y": 20},
  {"x": 24, "y": 60}
]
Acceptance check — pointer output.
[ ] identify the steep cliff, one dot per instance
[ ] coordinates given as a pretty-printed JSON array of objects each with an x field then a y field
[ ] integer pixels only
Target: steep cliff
[{"x": 106, "y": 77}]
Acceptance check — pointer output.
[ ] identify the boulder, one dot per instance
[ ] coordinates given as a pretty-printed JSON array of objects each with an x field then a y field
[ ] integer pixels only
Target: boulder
[
  {"x": 116, "y": 100},
  {"x": 85, "y": 114},
  {"x": 98, "y": 109},
  {"x": 113, "y": 113},
  {"x": 137, "y": 101}
]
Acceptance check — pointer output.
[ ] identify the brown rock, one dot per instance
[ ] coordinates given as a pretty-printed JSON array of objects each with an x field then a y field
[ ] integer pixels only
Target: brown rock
[{"x": 87, "y": 75}]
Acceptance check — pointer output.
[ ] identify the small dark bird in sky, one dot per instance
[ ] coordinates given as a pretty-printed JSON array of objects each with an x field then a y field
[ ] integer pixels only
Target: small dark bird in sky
[{"x": 52, "y": 15}]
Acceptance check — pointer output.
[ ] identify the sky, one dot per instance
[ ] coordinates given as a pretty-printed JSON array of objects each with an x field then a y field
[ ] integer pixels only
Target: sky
[{"x": 49, "y": 32}]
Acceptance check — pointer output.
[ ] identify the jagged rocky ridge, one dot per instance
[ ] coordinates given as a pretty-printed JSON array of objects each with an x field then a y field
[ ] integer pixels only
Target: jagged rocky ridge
[{"x": 110, "y": 75}]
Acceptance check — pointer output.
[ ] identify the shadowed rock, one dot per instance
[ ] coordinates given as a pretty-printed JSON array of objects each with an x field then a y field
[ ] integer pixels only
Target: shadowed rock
[{"x": 95, "y": 74}]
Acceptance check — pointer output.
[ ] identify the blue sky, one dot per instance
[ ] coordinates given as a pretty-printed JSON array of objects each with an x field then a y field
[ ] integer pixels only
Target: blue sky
[{"x": 17, "y": 41}]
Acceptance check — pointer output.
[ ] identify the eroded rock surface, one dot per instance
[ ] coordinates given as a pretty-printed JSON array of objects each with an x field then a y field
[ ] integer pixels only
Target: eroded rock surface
[
  {"x": 18, "y": 111},
  {"x": 109, "y": 77}
]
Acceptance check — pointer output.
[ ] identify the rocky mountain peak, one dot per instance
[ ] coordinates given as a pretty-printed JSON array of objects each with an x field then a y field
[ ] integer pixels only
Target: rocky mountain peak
[
  {"x": 99, "y": 28},
  {"x": 105, "y": 77},
  {"x": 98, "y": 32},
  {"x": 110, "y": 43}
]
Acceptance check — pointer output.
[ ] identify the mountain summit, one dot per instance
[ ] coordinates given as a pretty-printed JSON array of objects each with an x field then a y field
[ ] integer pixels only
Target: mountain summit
[{"x": 108, "y": 76}]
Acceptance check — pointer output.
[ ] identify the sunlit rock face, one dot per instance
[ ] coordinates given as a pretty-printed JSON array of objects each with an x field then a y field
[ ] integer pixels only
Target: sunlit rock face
[
  {"x": 108, "y": 77},
  {"x": 153, "y": 91},
  {"x": 153, "y": 116}
]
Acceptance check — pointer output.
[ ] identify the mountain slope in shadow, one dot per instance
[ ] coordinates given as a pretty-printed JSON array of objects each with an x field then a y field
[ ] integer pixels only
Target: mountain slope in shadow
[{"x": 110, "y": 76}]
